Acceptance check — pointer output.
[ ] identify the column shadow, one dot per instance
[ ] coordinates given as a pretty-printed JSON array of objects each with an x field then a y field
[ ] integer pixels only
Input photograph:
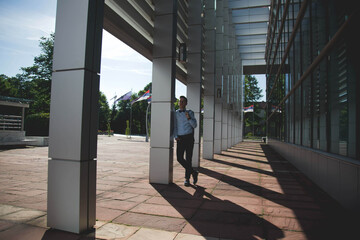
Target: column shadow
[
  {"x": 335, "y": 222},
  {"x": 318, "y": 216},
  {"x": 55, "y": 234},
  {"x": 216, "y": 217}
]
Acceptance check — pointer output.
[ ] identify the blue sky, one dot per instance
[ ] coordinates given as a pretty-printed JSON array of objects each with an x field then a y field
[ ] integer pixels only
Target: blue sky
[{"x": 24, "y": 22}]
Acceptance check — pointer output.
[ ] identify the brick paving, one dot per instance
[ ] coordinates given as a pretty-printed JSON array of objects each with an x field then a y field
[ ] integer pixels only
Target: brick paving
[{"x": 246, "y": 192}]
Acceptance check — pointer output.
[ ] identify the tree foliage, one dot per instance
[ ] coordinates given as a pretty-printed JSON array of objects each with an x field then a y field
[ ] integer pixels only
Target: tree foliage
[
  {"x": 104, "y": 112},
  {"x": 34, "y": 83},
  {"x": 37, "y": 78},
  {"x": 252, "y": 90},
  {"x": 253, "y": 122}
]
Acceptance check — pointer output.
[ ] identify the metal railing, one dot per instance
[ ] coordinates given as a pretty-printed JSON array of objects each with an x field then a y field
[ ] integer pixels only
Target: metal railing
[{"x": 10, "y": 122}]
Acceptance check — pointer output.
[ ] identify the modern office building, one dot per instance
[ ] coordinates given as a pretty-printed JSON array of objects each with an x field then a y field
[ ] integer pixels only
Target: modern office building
[
  {"x": 308, "y": 50},
  {"x": 313, "y": 80}
]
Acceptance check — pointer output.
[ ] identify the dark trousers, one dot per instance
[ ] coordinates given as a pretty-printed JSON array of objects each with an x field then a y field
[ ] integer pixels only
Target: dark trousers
[{"x": 185, "y": 144}]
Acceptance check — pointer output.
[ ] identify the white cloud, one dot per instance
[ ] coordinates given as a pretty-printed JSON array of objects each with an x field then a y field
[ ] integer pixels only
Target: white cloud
[
  {"x": 134, "y": 69},
  {"x": 114, "y": 49},
  {"x": 25, "y": 25}
]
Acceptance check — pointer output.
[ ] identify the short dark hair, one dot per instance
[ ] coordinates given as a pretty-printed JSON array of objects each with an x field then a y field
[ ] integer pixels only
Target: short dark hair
[{"x": 183, "y": 98}]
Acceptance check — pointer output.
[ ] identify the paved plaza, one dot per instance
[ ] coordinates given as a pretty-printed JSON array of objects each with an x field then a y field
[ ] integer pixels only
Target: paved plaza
[{"x": 246, "y": 192}]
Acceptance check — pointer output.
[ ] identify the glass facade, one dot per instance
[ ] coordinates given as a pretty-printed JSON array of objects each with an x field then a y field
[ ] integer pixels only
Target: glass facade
[{"x": 313, "y": 75}]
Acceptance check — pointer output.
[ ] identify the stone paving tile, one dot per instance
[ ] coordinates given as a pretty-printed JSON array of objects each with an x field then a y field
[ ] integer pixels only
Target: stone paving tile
[
  {"x": 246, "y": 192},
  {"x": 6, "y": 198},
  {"x": 242, "y": 201},
  {"x": 293, "y": 213},
  {"x": 149, "y": 191},
  {"x": 22, "y": 215},
  {"x": 292, "y": 204},
  {"x": 22, "y": 231},
  {"x": 227, "y": 217},
  {"x": 36, "y": 203},
  {"x": 5, "y": 225},
  {"x": 115, "y": 231},
  {"x": 288, "y": 235},
  {"x": 202, "y": 228},
  {"x": 229, "y": 206},
  {"x": 107, "y": 214},
  {"x": 183, "y": 236},
  {"x": 163, "y": 210},
  {"x": 189, "y": 203},
  {"x": 116, "y": 204},
  {"x": 39, "y": 222},
  {"x": 152, "y": 234},
  {"x": 157, "y": 222},
  {"x": 233, "y": 231},
  {"x": 291, "y": 224},
  {"x": 7, "y": 209},
  {"x": 118, "y": 195}
]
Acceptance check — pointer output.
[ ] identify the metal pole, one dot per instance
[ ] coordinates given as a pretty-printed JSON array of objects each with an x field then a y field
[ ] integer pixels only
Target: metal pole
[
  {"x": 253, "y": 119},
  {"x": 130, "y": 118},
  {"x": 146, "y": 122}
]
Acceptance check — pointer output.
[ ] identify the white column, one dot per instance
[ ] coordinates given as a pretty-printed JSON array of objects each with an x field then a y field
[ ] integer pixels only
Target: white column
[
  {"x": 163, "y": 92},
  {"x": 225, "y": 102},
  {"x": 231, "y": 84},
  {"x": 194, "y": 68},
  {"x": 74, "y": 115},
  {"x": 209, "y": 80},
  {"x": 219, "y": 69}
]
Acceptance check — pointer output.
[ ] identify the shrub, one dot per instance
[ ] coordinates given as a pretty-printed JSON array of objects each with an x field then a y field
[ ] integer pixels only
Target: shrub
[{"x": 37, "y": 124}]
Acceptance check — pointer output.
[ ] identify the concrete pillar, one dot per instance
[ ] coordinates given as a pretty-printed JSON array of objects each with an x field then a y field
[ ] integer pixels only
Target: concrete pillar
[
  {"x": 194, "y": 68},
  {"x": 219, "y": 70},
  {"x": 225, "y": 97},
  {"x": 209, "y": 80},
  {"x": 163, "y": 92},
  {"x": 74, "y": 115},
  {"x": 231, "y": 83}
]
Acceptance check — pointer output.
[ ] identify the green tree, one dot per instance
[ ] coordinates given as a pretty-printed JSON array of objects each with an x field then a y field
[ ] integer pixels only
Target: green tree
[
  {"x": 34, "y": 83},
  {"x": 9, "y": 86},
  {"x": 104, "y": 112},
  {"x": 252, "y": 95},
  {"x": 36, "y": 79},
  {"x": 252, "y": 90}
]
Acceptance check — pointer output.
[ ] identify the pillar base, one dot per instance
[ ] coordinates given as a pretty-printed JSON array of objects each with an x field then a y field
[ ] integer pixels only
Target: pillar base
[
  {"x": 161, "y": 165},
  {"x": 71, "y": 195}
]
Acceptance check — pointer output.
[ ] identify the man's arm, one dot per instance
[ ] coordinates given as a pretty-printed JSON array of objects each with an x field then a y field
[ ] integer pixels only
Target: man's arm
[{"x": 192, "y": 119}]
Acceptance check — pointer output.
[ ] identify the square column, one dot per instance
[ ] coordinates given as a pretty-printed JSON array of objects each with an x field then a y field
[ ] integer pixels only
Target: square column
[
  {"x": 194, "y": 67},
  {"x": 74, "y": 115},
  {"x": 209, "y": 80},
  {"x": 219, "y": 78},
  {"x": 163, "y": 92},
  {"x": 231, "y": 84},
  {"x": 225, "y": 85}
]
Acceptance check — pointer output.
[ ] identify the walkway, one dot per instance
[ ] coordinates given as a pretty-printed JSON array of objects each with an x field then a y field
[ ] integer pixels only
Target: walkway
[{"x": 247, "y": 192}]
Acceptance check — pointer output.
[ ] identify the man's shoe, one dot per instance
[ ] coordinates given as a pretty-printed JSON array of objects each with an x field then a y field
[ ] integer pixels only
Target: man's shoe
[
  {"x": 195, "y": 176},
  {"x": 187, "y": 183}
]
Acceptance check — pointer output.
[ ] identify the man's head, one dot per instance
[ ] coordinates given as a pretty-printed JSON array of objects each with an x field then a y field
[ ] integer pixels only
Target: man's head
[{"x": 182, "y": 102}]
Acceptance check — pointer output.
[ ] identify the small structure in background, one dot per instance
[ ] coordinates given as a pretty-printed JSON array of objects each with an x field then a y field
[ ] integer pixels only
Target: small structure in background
[{"x": 12, "y": 116}]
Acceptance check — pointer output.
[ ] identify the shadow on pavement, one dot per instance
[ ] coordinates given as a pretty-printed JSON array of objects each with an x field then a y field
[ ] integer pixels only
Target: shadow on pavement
[{"x": 218, "y": 218}]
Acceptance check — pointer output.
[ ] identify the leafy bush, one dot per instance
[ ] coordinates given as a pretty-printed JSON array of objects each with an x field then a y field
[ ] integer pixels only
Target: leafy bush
[{"x": 37, "y": 124}]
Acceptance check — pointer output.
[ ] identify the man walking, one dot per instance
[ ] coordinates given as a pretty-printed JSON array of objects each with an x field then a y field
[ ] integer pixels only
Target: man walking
[{"x": 185, "y": 122}]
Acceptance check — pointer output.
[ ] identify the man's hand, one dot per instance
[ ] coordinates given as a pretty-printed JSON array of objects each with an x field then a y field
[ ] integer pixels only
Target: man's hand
[{"x": 187, "y": 115}]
